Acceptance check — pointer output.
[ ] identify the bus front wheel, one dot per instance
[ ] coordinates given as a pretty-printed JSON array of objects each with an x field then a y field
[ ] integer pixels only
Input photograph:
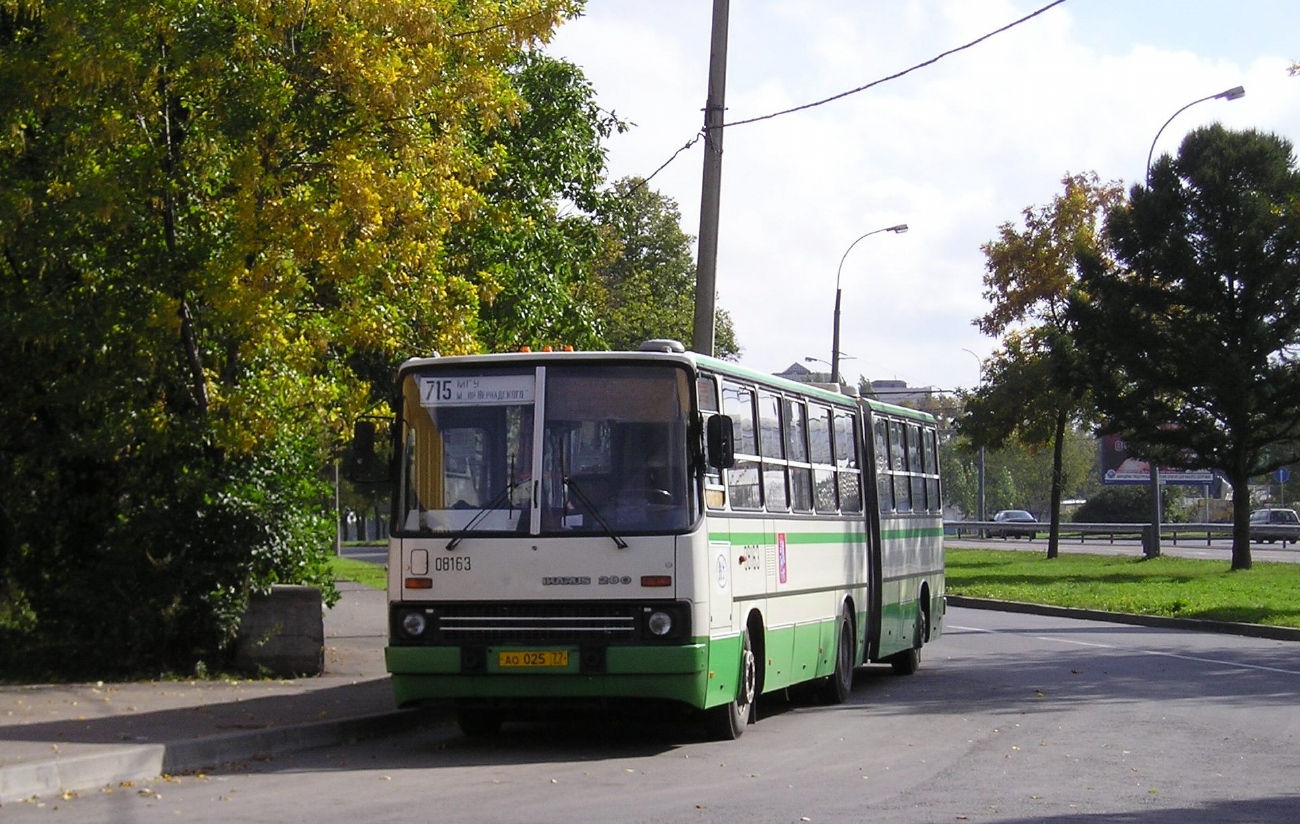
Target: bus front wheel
[{"x": 728, "y": 721}]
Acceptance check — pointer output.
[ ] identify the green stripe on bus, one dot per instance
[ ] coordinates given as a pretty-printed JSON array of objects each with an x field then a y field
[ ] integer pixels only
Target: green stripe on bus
[
  {"x": 918, "y": 532},
  {"x": 748, "y": 538}
]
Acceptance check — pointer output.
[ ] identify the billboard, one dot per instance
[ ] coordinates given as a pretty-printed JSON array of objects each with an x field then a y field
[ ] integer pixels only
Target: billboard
[{"x": 1118, "y": 467}]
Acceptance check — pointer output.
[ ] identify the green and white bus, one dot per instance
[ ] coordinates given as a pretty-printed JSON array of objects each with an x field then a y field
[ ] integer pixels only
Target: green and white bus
[{"x": 597, "y": 526}]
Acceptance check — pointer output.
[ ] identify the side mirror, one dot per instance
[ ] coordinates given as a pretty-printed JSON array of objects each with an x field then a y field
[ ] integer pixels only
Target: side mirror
[{"x": 720, "y": 441}]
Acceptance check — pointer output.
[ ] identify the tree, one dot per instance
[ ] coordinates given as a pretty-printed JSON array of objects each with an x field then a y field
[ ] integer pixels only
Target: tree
[
  {"x": 1190, "y": 336},
  {"x": 649, "y": 286},
  {"x": 1030, "y": 390},
  {"x": 216, "y": 220},
  {"x": 534, "y": 246}
]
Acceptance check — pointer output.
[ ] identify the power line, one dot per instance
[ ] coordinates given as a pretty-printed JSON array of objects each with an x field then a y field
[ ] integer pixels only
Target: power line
[
  {"x": 907, "y": 71},
  {"x": 870, "y": 85}
]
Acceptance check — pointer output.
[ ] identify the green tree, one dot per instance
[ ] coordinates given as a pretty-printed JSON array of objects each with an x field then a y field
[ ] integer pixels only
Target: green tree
[
  {"x": 534, "y": 245},
  {"x": 649, "y": 286},
  {"x": 215, "y": 220},
  {"x": 1190, "y": 336},
  {"x": 1030, "y": 389}
]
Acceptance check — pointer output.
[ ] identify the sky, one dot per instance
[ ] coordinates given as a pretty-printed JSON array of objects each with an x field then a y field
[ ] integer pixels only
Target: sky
[{"x": 954, "y": 149}]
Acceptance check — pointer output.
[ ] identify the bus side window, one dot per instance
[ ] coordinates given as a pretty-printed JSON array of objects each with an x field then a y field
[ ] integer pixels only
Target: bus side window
[
  {"x": 848, "y": 471},
  {"x": 796, "y": 452},
  {"x": 932, "y": 471},
  {"x": 898, "y": 464},
  {"x": 743, "y": 485},
  {"x": 916, "y": 467},
  {"x": 771, "y": 444},
  {"x": 823, "y": 459},
  {"x": 884, "y": 482},
  {"x": 715, "y": 494}
]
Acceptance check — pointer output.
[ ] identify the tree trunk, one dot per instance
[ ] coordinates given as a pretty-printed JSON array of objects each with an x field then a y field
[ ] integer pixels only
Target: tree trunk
[
  {"x": 1058, "y": 452},
  {"x": 1240, "y": 521}
]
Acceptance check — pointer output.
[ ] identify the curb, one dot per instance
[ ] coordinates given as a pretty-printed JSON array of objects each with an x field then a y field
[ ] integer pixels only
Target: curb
[
  {"x": 1193, "y": 624},
  {"x": 78, "y": 773}
]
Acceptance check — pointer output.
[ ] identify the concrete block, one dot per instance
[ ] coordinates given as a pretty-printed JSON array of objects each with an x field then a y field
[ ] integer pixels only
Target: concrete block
[{"x": 283, "y": 633}]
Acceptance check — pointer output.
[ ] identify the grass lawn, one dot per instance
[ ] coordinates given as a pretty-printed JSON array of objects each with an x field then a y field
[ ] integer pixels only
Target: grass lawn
[
  {"x": 1268, "y": 593},
  {"x": 374, "y": 576}
]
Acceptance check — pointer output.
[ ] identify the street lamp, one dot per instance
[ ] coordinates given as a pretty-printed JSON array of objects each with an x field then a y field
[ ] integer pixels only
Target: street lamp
[
  {"x": 980, "y": 465},
  {"x": 834, "y": 378},
  {"x": 1152, "y": 547},
  {"x": 1227, "y": 94},
  {"x": 835, "y": 344}
]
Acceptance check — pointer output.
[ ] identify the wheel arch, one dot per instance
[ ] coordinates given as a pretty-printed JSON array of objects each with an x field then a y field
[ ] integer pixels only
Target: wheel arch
[
  {"x": 859, "y": 628},
  {"x": 923, "y": 599},
  {"x": 758, "y": 644}
]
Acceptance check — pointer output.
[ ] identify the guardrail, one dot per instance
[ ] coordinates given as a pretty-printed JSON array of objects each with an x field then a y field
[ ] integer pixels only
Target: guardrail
[{"x": 1084, "y": 532}]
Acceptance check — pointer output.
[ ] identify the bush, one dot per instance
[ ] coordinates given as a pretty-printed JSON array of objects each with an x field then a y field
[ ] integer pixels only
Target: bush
[
  {"x": 146, "y": 565},
  {"x": 1124, "y": 505}
]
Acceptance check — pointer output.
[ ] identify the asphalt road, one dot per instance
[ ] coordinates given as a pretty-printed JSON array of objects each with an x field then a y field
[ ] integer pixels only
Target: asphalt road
[
  {"x": 370, "y": 553},
  {"x": 1012, "y": 718}
]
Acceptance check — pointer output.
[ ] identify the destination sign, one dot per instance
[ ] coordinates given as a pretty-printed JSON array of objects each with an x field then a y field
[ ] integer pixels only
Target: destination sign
[{"x": 479, "y": 390}]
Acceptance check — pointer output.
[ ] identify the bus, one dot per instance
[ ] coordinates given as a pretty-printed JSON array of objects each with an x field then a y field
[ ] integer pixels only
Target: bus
[{"x": 651, "y": 525}]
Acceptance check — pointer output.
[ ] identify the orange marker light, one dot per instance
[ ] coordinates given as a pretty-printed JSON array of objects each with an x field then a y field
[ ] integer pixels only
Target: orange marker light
[
  {"x": 656, "y": 580},
  {"x": 419, "y": 583}
]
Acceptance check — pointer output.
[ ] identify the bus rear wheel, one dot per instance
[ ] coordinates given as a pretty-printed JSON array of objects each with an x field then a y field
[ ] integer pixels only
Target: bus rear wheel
[
  {"x": 836, "y": 688},
  {"x": 909, "y": 661},
  {"x": 728, "y": 722}
]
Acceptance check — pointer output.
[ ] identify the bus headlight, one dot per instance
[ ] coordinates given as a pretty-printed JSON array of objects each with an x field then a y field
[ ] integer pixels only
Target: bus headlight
[
  {"x": 660, "y": 623},
  {"x": 414, "y": 624}
]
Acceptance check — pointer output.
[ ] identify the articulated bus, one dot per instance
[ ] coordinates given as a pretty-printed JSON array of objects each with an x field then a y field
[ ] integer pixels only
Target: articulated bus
[{"x": 599, "y": 526}]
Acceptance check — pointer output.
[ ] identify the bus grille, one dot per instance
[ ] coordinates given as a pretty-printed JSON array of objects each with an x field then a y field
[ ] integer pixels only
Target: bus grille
[{"x": 536, "y": 623}]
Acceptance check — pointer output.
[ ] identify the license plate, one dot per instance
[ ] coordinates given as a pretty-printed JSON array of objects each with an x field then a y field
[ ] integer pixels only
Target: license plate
[{"x": 533, "y": 658}]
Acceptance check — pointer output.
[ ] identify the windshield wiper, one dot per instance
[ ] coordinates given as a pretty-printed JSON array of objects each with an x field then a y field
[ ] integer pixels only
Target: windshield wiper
[
  {"x": 502, "y": 497},
  {"x": 595, "y": 513}
]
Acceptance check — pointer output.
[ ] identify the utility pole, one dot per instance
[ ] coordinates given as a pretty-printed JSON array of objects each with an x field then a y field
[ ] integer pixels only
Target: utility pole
[{"x": 706, "y": 270}]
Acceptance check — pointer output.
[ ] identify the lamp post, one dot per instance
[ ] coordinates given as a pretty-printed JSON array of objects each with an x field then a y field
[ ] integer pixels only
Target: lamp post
[
  {"x": 980, "y": 466},
  {"x": 1227, "y": 94},
  {"x": 1151, "y": 546},
  {"x": 834, "y": 377},
  {"x": 835, "y": 343}
]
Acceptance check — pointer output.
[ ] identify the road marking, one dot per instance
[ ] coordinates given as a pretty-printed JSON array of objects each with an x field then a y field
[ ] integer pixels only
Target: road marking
[{"x": 1236, "y": 664}]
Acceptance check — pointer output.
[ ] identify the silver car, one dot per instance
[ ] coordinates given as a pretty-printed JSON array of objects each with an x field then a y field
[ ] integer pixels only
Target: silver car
[
  {"x": 1272, "y": 525},
  {"x": 1018, "y": 524}
]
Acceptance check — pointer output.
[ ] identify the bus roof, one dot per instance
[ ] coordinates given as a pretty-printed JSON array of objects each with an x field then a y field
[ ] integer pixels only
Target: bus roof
[{"x": 694, "y": 360}]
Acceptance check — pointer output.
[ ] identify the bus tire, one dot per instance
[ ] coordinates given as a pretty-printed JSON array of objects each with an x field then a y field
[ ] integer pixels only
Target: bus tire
[
  {"x": 836, "y": 688},
  {"x": 909, "y": 661},
  {"x": 728, "y": 722}
]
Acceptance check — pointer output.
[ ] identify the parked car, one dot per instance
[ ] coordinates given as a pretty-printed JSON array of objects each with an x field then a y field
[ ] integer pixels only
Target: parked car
[
  {"x": 1271, "y": 525},
  {"x": 1014, "y": 516}
]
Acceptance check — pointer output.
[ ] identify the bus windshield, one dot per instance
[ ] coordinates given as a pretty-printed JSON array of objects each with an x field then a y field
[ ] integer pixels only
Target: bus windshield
[{"x": 593, "y": 448}]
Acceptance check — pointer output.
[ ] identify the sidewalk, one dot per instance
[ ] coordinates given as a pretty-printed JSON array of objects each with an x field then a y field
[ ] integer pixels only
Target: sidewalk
[{"x": 61, "y": 737}]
